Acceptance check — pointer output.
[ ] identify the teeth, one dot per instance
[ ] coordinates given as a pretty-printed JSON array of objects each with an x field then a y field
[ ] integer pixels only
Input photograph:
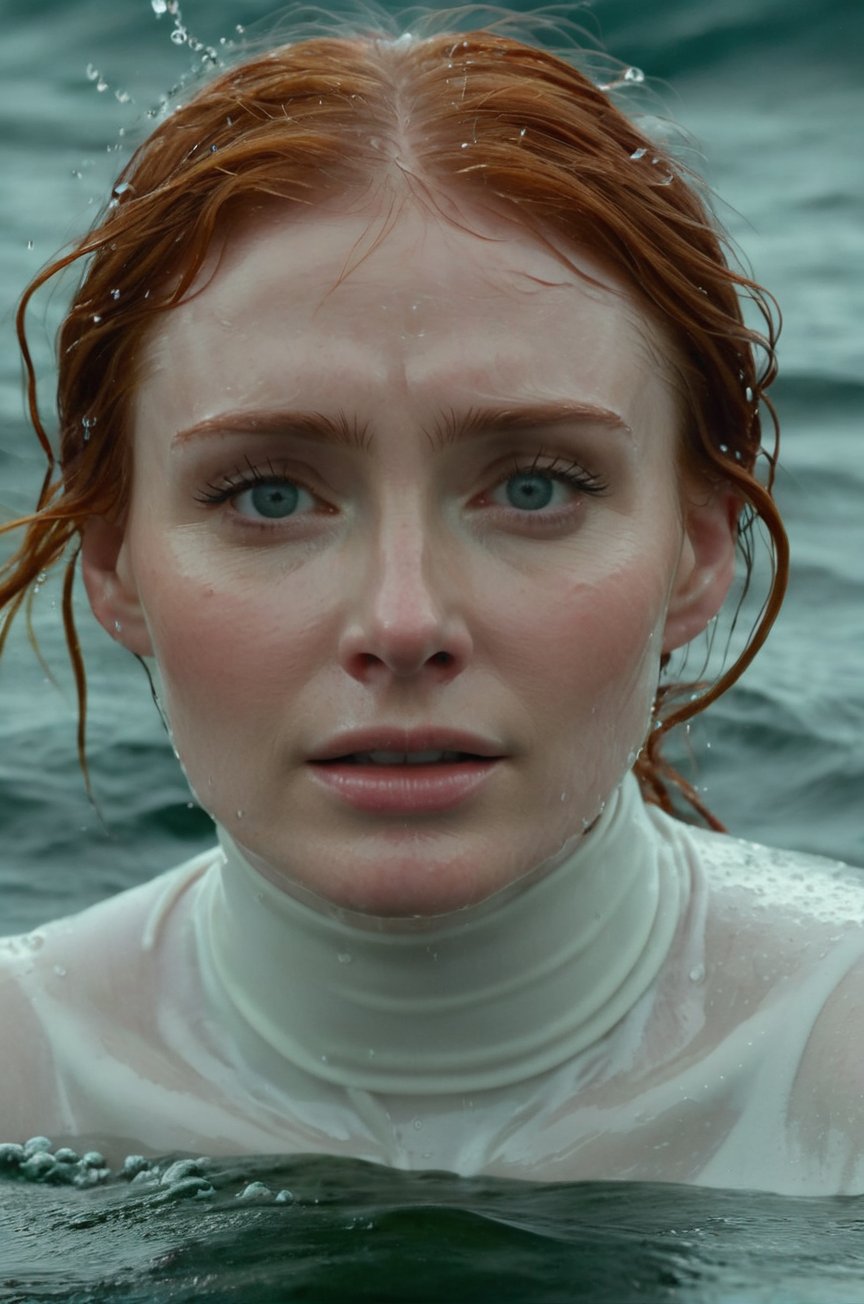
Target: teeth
[{"x": 404, "y": 758}]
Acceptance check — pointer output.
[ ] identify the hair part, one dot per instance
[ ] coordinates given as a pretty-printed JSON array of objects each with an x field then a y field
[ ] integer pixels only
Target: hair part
[{"x": 477, "y": 113}]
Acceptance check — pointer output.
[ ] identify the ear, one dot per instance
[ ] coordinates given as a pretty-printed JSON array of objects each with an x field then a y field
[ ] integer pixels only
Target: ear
[
  {"x": 111, "y": 586},
  {"x": 707, "y": 564}
]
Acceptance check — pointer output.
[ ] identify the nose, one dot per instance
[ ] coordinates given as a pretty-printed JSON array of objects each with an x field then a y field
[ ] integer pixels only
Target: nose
[{"x": 408, "y": 616}]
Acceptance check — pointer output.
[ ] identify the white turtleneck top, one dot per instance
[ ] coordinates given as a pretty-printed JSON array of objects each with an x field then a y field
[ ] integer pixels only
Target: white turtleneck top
[{"x": 668, "y": 1004}]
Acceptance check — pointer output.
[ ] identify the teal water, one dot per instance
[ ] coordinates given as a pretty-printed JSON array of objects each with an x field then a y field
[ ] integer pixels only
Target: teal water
[{"x": 770, "y": 89}]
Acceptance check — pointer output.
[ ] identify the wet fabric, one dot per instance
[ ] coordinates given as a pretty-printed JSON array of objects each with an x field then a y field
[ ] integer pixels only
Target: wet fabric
[{"x": 668, "y": 1004}]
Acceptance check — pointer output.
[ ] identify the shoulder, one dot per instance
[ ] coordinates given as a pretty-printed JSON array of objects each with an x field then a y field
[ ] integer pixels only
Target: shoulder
[
  {"x": 773, "y": 880},
  {"x": 79, "y": 962}
]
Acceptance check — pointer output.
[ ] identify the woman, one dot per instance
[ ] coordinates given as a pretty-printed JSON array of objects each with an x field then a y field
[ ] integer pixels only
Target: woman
[{"x": 409, "y": 424}]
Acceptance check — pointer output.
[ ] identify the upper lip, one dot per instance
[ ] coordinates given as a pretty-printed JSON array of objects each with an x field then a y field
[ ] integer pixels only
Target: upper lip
[{"x": 395, "y": 738}]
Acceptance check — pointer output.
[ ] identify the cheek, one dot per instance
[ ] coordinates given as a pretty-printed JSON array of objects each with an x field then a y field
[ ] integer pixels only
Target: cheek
[
  {"x": 229, "y": 646},
  {"x": 593, "y": 641}
]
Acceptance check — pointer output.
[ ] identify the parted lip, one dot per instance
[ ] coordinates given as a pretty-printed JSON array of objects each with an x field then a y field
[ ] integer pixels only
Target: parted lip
[{"x": 393, "y": 738}]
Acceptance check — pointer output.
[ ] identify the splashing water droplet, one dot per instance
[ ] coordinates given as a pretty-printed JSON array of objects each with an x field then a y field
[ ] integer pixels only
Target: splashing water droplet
[
  {"x": 29, "y": 244},
  {"x": 92, "y": 73},
  {"x": 159, "y": 7},
  {"x": 179, "y": 36},
  {"x": 635, "y": 75},
  {"x": 639, "y": 153}
]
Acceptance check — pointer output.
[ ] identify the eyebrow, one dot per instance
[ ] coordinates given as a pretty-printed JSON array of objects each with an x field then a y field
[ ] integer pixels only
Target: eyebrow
[{"x": 451, "y": 427}]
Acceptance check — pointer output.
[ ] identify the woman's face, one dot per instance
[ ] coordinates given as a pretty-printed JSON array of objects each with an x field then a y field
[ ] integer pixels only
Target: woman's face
[{"x": 481, "y": 531}]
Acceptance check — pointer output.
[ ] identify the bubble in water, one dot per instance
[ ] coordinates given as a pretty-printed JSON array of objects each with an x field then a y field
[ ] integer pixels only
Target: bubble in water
[
  {"x": 344, "y": 957},
  {"x": 635, "y": 75},
  {"x": 159, "y": 7},
  {"x": 697, "y": 973},
  {"x": 179, "y": 36},
  {"x": 92, "y": 73},
  {"x": 60, "y": 971}
]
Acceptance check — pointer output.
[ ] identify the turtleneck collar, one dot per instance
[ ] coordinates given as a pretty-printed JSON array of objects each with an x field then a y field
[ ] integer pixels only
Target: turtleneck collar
[{"x": 480, "y": 998}]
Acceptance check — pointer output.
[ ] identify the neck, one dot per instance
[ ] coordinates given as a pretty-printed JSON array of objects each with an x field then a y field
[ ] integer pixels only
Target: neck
[{"x": 482, "y": 997}]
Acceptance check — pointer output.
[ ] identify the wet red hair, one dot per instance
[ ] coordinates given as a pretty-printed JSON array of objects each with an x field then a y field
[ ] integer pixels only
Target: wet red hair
[{"x": 478, "y": 112}]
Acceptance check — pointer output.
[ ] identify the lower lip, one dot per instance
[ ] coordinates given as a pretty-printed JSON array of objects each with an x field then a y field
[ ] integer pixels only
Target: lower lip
[{"x": 395, "y": 789}]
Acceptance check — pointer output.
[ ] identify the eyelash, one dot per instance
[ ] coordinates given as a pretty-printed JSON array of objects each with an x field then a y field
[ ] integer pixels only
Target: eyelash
[{"x": 241, "y": 479}]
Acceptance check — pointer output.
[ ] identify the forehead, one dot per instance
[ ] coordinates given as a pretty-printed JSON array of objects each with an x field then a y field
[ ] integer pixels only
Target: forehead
[{"x": 408, "y": 297}]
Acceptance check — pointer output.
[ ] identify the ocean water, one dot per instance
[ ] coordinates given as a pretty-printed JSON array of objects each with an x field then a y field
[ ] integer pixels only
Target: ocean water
[{"x": 771, "y": 92}]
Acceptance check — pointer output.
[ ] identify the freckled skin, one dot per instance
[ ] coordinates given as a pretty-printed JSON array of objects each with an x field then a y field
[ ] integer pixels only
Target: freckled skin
[{"x": 271, "y": 640}]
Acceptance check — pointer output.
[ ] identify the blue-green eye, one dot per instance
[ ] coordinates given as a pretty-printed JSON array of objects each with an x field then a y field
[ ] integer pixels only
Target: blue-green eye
[
  {"x": 530, "y": 490},
  {"x": 270, "y": 500}
]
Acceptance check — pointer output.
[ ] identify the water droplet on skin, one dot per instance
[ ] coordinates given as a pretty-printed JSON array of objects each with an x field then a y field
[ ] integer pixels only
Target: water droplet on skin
[
  {"x": 240, "y": 814},
  {"x": 118, "y": 628}
]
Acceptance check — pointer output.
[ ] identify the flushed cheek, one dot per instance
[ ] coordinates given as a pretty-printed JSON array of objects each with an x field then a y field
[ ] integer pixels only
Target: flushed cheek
[{"x": 228, "y": 655}]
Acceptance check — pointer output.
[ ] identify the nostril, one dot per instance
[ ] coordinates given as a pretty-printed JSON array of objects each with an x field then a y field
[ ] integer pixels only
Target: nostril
[{"x": 442, "y": 658}]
